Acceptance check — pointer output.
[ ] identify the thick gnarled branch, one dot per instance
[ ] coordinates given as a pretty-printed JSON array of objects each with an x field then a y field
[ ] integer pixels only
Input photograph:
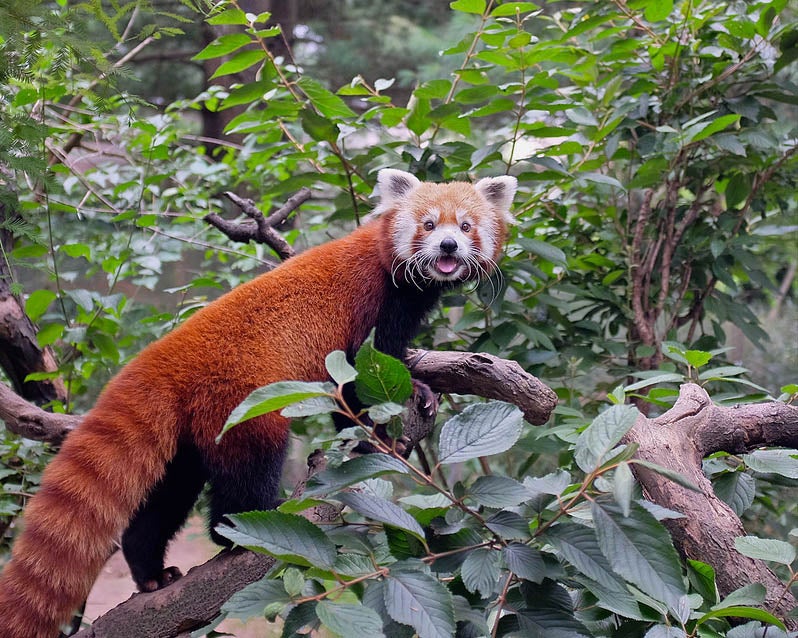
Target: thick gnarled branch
[
  {"x": 679, "y": 440},
  {"x": 262, "y": 229}
]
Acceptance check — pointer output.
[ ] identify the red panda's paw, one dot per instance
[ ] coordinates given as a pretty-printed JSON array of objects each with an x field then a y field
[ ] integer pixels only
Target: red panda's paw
[
  {"x": 166, "y": 577},
  {"x": 425, "y": 398}
]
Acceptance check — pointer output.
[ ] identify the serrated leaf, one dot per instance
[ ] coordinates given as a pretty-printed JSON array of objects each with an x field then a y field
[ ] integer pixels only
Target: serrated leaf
[
  {"x": 702, "y": 578},
  {"x": 670, "y": 474},
  {"x": 668, "y": 377},
  {"x": 310, "y": 407},
  {"x": 346, "y": 619},
  {"x": 512, "y": 8},
  {"x": 353, "y": 471},
  {"x": 743, "y": 612},
  {"x": 38, "y": 302},
  {"x": 736, "y": 489},
  {"x": 524, "y": 562},
  {"x": 769, "y": 549},
  {"x": 469, "y": 6},
  {"x": 223, "y": 45},
  {"x": 639, "y": 548},
  {"x": 481, "y": 429},
  {"x": 419, "y": 600},
  {"x": 381, "y": 377},
  {"x": 339, "y": 368},
  {"x": 274, "y": 397},
  {"x": 697, "y": 358},
  {"x": 239, "y": 62},
  {"x": 253, "y": 599},
  {"x": 300, "y": 617},
  {"x": 623, "y": 487},
  {"x": 747, "y": 595},
  {"x": 602, "y": 435},
  {"x": 784, "y": 462},
  {"x": 580, "y": 547},
  {"x": 288, "y": 537},
  {"x": 498, "y": 491},
  {"x": 480, "y": 571},
  {"x": 508, "y": 525},
  {"x": 657, "y": 10},
  {"x": 378, "y": 509},
  {"x": 229, "y": 16},
  {"x": 544, "y": 250},
  {"x": 702, "y": 131},
  {"x": 325, "y": 101}
]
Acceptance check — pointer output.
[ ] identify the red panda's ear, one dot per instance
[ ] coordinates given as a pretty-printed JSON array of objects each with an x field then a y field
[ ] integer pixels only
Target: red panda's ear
[
  {"x": 394, "y": 186},
  {"x": 499, "y": 191}
]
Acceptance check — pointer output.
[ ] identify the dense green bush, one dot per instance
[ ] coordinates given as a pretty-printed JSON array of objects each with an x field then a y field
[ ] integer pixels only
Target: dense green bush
[{"x": 654, "y": 143}]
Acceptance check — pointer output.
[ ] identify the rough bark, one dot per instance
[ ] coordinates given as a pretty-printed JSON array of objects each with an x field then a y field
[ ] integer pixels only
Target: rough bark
[
  {"x": 679, "y": 440},
  {"x": 20, "y": 354}
]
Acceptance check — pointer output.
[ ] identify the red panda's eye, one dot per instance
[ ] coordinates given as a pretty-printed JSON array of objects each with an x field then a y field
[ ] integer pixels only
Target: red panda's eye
[
  {"x": 465, "y": 227},
  {"x": 429, "y": 226}
]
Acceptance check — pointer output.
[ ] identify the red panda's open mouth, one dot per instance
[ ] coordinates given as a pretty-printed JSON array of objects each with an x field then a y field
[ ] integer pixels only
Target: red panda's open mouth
[{"x": 447, "y": 264}]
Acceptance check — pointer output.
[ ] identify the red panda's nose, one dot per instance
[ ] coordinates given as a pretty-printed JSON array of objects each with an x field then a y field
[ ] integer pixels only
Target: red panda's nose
[{"x": 449, "y": 246}]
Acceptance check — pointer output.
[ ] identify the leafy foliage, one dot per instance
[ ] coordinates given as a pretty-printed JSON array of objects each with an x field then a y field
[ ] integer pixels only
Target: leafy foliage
[{"x": 654, "y": 143}]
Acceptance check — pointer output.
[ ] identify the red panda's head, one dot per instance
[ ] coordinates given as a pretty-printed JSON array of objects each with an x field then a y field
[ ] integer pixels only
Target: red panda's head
[{"x": 444, "y": 232}]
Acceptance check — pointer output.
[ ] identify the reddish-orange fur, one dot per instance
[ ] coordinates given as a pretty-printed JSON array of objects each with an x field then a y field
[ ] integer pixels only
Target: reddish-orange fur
[{"x": 278, "y": 326}]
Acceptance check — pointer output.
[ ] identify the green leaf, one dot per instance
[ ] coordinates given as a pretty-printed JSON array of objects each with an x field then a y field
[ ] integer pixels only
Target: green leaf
[
  {"x": 701, "y": 131},
  {"x": 674, "y": 476},
  {"x": 480, "y": 571},
  {"x": 381, "y": 377},
  {"x": 657, "y": 10},
  {"x": 602, "y": 435},
  {"x": 274, "y": 397},
  {"x": 498, "y": 491},
  {"x": 287, "y": 537},
  {"x": 240, "y": 61},
  {"x": 76, "y": 250},
  {"x": 639, "y": 548},
  {"x": 697, "y": 358},
  {"x": 747, "y": 595},
  {"x": 721, "y": 372},
  {"x": 378, "y": 509},
  {"x": 524, "y": 562},
  {"x": 702, "y": 578},
  {"x": 743, "y": 612},
  {"x": 623, "y": 487},
  {"x": 769, "y": 549},
  {"x": 38, "y": 302},
  {"x": 736, "y": 489},
  {"x": 319, "y": 127},
  {"x": 512, "y": 8},
  {"x": 481, "y": 429},
  {"x": 668, "y": 377},
  {"x": 419, "y": 600},
  {"x": 338, "y": 367},
  {"x": 580, "y": 547},
  {"x": 469, "y": 6},
  {"x": 345, "y": 619},
  {"x": 253, "y": 599},
  {"x": 543, "y": 250},
  {"x": 325, "y": 101},
  {"x": 784, "y": 462},
  {"x": 223, "y": 45},
  {"x": 508, "y": 525},
  {"x": 229, "y": 16},
  {"x": 353, "y": 471}
]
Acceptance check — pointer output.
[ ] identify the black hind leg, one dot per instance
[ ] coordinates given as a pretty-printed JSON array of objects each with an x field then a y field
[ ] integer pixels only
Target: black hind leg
[
  {"x": 252, "y": 483},
  {"x": 158, "y": 520}
]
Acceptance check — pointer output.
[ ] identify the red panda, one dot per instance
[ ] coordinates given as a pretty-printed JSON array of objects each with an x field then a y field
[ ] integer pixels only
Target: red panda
[{"x": 140, "y": 457}]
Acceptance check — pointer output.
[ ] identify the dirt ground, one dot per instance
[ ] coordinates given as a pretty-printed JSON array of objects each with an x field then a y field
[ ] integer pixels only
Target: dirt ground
[{"x": 191, "y": 547}]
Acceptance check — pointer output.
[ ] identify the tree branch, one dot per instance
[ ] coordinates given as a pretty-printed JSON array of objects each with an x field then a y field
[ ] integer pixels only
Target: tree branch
[
  {"x": 679, "y": 440},
  {"x": 262, "y": 230}
]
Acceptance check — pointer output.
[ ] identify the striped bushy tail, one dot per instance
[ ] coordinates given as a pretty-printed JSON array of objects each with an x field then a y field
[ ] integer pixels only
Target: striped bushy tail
[{"x": 89, "y": 492}]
